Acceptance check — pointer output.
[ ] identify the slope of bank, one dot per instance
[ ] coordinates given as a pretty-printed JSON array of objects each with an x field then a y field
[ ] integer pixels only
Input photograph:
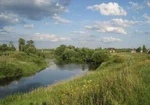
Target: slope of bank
[
  {"x": 124, "y": 80},
  {"x": 13, "y": 64}
]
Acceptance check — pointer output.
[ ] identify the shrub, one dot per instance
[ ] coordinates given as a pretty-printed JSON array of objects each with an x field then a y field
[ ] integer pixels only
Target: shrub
[{"x": 118, "y": 59}]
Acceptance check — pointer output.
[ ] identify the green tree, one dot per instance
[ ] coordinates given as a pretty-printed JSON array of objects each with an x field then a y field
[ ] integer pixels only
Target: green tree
[
  {"x": 138, "y": 49},
  {"x": 31, "y": 49},
  {"x": 21, "y": 44},
  {"x": 4, "y": 47},
  {"x": 11, "y": 46},
  {"x": 100, "y": 56},
  {"x": 144, "y": 49},
  {"x": 59, "y": 50},
  {"x": 30, "y": 43},
  {"x": 69, "y": 54}
]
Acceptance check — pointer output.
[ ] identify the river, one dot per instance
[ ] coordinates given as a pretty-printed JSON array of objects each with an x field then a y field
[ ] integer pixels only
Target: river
[{"x": 46, "y": 77}]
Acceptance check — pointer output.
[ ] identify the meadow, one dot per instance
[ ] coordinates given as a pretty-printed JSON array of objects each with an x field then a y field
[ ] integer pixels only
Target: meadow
[{"x": 122, "y": 80}]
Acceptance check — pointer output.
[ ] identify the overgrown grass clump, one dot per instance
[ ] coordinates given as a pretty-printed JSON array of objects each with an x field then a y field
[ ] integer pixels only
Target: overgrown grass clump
[
  {"x": 113, "y": 83},
  {"x": 20, "y": 64}
]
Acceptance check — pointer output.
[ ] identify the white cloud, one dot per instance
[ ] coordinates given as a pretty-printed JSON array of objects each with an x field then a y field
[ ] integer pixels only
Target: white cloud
[
  {"x": 111, "y": 29},
  {"x": 60, "y": 20},
  {"x": 136, "y": 6},
  {"x": 133, "y": 4},
  {"x": 116, "y": 25},
  {"x": 34, "y": 9},
  {"x": 6, "y": 30},
  {"x": 48, "y": 37},
  {"x": 78, "y": 33},
  {"x": 106, "y": 27},
  {"x": 146, "y": 16},
  {"x": 109, "y": 9},
  {"x": 123, "y": 23},
  {"x": 147, "y": 3},
  {"x": 83, "y": 41},
  {"x": 110, "y": 39},
  {"x": 30, "y": 26},
  {"x": 142, "y": 32},
  {"x": 8, "y": 19}
]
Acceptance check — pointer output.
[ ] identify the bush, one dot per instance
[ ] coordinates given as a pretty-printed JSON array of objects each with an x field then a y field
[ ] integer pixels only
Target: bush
[
  {"x": 118, "y": 59},
  {"x": 10, "y": 70}
]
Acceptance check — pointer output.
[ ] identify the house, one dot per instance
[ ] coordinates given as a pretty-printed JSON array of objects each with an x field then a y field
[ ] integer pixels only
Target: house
[
  {"x": 112, "y": 50},
  {"x": 133, "y": 51}
]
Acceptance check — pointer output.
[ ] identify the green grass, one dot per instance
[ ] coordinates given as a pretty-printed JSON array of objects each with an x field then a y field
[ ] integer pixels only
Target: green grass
[
  {"x": 20, "y": 64},
  {"x": 113, "y": 83}
]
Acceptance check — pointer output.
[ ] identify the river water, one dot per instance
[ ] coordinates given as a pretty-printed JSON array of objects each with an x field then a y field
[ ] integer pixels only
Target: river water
[{"x": 48, "y": 76}]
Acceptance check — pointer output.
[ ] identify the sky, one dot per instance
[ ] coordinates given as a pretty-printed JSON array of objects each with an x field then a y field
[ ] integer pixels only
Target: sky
[{"x": 82, "y": 23}]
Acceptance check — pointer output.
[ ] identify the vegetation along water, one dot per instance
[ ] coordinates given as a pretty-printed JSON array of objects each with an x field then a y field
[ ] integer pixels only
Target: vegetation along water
[
  {"x": 26, "y": 61},
  {"x": 121, "y": 79}
]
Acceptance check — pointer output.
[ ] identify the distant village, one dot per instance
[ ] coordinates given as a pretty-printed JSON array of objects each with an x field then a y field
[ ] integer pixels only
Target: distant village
[{"x": 131, "y": 50}]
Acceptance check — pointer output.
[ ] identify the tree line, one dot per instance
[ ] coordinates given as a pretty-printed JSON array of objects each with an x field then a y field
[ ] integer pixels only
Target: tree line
[
  {"x": 5, "y": 47},
  {"x": 142, "y": 49},
  {"x": 24, "y": 46},
  {"x": 69, "y": 54}
]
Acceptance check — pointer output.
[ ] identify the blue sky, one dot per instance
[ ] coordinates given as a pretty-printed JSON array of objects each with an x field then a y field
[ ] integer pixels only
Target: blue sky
[{"x": 82, "y": 23}]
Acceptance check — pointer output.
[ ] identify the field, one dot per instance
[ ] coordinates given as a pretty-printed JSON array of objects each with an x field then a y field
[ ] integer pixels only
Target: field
[{"x": 123, "y": 80}]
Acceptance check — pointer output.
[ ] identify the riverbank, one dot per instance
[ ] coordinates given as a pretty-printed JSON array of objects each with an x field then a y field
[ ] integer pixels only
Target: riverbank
[
  {"x": 15, "y": 63},
  {"x": 123, "y": 80}
]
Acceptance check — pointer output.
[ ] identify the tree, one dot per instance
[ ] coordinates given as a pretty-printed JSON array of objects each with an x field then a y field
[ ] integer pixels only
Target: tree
[
  {"x": 138, "y": 49},
  {"x": 4, "y": 47},
  {"x": 11, "y": 46},
  {"x": 100, "y": 56},
  {"x": 31, "y": 49},
  {"x": 69, "y": 54},
  {"x": 144, "y": 49},
  {"x": 30, "y": 43},
  {"x": 59, "y": 50},
  {"x": 21, "y": 44}
]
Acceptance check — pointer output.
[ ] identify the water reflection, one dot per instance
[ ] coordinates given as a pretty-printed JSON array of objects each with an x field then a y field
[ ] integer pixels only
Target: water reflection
[
  {"x": 7, "y": 81},
  {"x": 44, "y": 78}
]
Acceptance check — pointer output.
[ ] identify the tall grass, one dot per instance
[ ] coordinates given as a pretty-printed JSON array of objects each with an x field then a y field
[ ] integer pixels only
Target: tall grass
[
  {"x": 113, "y": 83},
  {"x": 20, "y": 64}
]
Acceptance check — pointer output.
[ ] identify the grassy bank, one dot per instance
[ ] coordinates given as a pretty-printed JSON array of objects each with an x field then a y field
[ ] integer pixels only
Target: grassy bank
[
  {"x": 124, "y": 80},
  {"x": 17, "y": 63}
]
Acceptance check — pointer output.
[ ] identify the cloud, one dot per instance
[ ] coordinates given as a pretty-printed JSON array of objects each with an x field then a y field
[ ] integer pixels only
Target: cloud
[
  {"x": 48, "y": 37},
  {"x": 65, "y": 2},
  {"x": 106, "y": 27},
  {"x": 33, "y": 9},
  {"x": 146, "y": 16},
  {"x": 78, "y": 33},
  {"x": 133, "y": 4},
  {"x": 116, "y": 25},
  {"x": 29, "y": 26},
  {"x": 147, "y": 3},
  {"x": 6, "y": 31},
  {"x": 142, "y": 32},
  {"x": 60, "y": 20},
  {"x": 110, "y": 39},
  {"x": 8, "y": 19},
  {"x": 109, "y": 9},
  {"x": 136, "y": 6},
  {"x": 123, "y": 23}
]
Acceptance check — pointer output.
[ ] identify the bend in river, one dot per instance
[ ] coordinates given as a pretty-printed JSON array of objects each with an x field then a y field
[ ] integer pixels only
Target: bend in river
[{"x": 46, "y": 77}]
